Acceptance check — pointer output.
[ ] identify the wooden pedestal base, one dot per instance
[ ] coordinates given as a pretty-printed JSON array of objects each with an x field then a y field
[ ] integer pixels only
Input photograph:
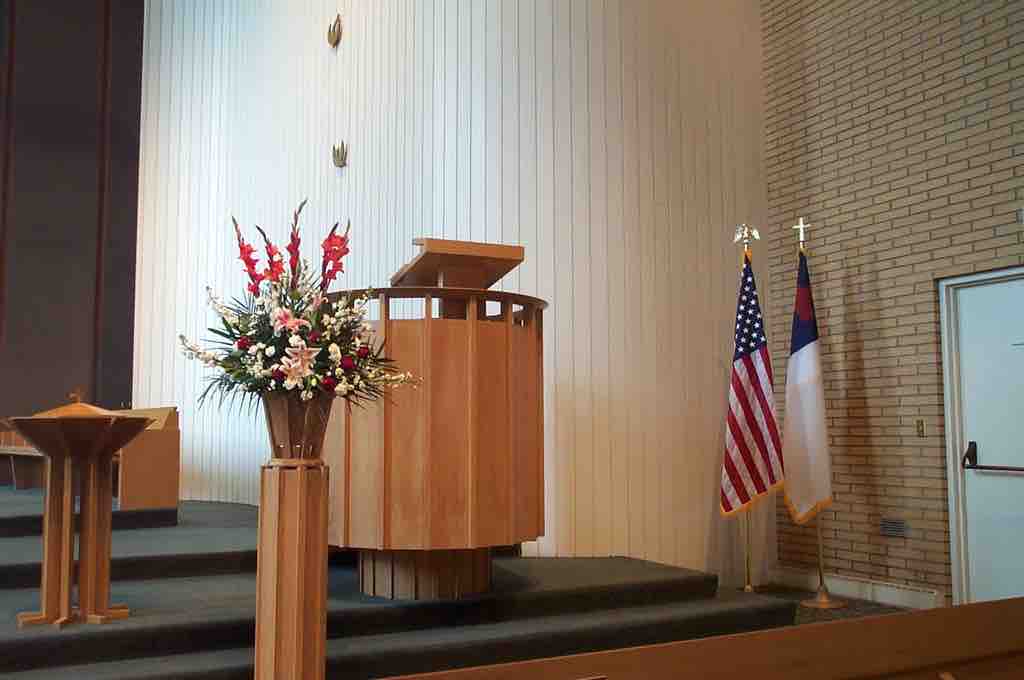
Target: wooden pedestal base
[
  {"x": 425, "y": 574},
  {"x": 93, "y": 545},
  {"x": 291, "y": 575}
]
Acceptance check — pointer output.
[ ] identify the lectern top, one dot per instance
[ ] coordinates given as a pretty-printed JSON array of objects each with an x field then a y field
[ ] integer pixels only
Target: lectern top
[
  {"x": 462, "y": 264},
  {"x": 76, "y": 410}
]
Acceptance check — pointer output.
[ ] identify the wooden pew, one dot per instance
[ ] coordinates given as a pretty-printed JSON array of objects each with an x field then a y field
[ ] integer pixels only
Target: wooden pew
[
  {"x": 147, "y": 470},
  {"x": 20, "y": 465},
  {"x": 968, "y": 642}
]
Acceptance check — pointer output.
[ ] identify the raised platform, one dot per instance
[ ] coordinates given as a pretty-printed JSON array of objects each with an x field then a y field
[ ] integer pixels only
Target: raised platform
[
  {"x": 201, "y": 624},
  {"x": 21, "y": 514}
]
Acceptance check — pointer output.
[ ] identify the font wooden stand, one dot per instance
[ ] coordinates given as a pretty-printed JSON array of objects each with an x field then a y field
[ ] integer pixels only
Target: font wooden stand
[{"x": 81, "y": 438}]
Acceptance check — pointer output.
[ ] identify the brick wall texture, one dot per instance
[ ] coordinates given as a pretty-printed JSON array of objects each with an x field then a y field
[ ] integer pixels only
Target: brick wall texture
[{"x": 896, "y": 128}]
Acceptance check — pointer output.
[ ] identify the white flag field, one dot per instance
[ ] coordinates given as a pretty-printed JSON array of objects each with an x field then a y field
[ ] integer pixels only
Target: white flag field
[{"x": 805, "y": 430}]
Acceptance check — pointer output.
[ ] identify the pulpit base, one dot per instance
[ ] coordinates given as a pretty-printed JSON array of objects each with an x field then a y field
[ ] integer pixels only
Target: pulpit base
[{"x": 425, "y": 574}]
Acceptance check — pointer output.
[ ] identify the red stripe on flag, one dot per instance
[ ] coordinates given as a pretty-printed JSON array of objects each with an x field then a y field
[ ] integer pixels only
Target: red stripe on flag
[
  {"x": 752, "y": 424},
  {"x": 767, "y": 365},
  {"x": 726, "y": 503},
  {"x": 769, "y": 414},
  {"x": 737, "y": 482},
  {"x": 748, "y": 459}
]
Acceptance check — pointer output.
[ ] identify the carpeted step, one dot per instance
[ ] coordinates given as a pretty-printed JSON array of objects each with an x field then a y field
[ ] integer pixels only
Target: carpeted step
[
  {"x": 448, "y": 647},
  {"x": 177, "y": 615},
  {"x": 210, "y": 538},
  {"x": 14, "y": 526}
]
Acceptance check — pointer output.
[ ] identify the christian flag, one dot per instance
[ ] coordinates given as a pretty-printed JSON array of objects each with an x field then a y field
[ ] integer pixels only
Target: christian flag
[
  {"x": 752, "y": 465},
  {"x": 805, "y": 436}
]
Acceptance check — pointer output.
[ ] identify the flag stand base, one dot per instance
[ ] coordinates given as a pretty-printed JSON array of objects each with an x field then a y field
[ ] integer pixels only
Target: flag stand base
[{"x": 822, "y": 600}]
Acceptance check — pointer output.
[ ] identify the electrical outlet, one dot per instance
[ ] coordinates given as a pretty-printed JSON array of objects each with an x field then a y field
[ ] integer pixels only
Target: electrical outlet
[{"x": 920, "y": 427}]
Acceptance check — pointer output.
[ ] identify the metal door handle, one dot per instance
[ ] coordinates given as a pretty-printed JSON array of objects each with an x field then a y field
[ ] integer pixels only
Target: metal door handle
[{"x": 970, "y": 461}]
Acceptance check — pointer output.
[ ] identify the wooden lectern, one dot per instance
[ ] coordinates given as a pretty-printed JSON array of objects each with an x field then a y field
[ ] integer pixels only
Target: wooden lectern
[{"x": 425, "y": 482}]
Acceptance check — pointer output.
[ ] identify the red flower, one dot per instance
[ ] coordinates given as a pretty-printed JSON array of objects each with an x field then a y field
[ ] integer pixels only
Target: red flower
[
  {"x": 329, "y": 383},
  {"x": 293, "y": 245},
  {"x": 348, "y": 363},
  {"x": 314, "y": 337},
  {"x": 363, "y": 352},
  {"x": 275, "y": 263},
  {"x": 335, "y": 248},
  {"x": 245, "y": 254},
  {"x": 278, "y": 375},
  {"x": 243, "y": 343},
  {"x": 293, "y": 255}
]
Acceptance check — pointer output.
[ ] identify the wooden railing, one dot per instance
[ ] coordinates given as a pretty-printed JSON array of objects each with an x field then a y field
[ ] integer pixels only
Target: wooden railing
[{"x": 958, "y": 643}]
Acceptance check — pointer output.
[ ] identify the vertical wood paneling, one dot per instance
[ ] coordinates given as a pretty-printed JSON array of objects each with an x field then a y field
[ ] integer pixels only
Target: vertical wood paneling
[{"x": 618, "y": 141}]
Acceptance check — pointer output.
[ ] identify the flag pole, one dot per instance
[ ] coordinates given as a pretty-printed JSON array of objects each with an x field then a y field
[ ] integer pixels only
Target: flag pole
[
  {"x": 749, "y": 586},
  {"x": 744, "y": 234},
  {"x": 822, "y": 600}
]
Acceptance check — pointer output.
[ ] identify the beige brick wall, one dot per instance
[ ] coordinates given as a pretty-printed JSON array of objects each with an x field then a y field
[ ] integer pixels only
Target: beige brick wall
[{"x": 896, "y": 128}]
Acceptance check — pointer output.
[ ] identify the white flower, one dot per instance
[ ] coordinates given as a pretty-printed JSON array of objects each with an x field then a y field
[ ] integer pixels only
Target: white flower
[
  {"x": 270, "y": 351},
  {"x": 335, "y": 352},
  {"x": 296, "y": 341},
  {"x": 306, "y": 395}
]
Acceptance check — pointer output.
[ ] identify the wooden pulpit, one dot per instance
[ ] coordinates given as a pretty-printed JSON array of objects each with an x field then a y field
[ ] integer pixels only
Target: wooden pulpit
[{"x": 425, "y": 482}]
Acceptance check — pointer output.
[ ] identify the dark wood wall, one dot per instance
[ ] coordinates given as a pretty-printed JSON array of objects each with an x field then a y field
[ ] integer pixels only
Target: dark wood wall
[{"x": 70, "y": 160}]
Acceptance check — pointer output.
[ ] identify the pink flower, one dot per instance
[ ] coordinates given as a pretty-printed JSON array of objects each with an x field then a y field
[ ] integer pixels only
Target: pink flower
[
  {"x": 302, "y": 357},
  {"x": 285, "y": 320}
]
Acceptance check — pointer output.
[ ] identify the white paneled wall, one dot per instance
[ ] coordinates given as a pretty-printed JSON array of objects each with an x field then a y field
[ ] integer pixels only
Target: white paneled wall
[{"x": 617, "y": 140}]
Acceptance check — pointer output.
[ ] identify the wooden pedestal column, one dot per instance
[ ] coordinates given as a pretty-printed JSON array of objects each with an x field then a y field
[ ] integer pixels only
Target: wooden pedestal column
[
  {"x": 291, "y": 575},
  {"x": 94, "y": 542},
  {"x": 58, "y": 547},
  {"x": 425, "y": 574}
]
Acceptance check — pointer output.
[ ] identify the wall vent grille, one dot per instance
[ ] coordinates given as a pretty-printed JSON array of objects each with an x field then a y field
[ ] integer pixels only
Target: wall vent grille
[{"x": 894, "y": 528}]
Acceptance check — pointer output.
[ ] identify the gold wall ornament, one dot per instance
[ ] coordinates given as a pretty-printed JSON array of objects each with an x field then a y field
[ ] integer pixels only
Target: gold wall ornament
[
  {"x": 334, "y": 32},
  {"x": 340, "y": 155}
]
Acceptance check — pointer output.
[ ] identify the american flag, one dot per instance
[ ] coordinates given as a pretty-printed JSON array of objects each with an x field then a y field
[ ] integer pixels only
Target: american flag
[{"x": 753, "y": 453}]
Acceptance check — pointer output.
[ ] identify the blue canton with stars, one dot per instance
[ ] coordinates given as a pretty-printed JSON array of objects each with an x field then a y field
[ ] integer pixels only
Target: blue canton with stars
[{"x": 750, "y": 335}]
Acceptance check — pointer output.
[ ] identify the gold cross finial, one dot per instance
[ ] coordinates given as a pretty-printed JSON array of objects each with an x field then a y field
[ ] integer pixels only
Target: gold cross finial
[{"x": 801, "y": 227}]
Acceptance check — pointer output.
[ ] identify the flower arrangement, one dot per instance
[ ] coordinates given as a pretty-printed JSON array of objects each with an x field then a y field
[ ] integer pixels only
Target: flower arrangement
[{"x": 285, "y": 335}]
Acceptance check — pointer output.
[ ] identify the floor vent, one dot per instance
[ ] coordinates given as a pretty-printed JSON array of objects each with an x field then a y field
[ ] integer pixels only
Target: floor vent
[{"x": 894, "y": 528}]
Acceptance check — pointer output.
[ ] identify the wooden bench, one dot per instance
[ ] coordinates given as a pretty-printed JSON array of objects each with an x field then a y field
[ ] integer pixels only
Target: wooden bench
[
  {"x": 20, "y": 466},
  {"x": 147, "y": 480}
]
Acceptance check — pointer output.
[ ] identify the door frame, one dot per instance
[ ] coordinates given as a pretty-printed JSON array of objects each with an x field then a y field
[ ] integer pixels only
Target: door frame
[{"x": 949, "y": 331}]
